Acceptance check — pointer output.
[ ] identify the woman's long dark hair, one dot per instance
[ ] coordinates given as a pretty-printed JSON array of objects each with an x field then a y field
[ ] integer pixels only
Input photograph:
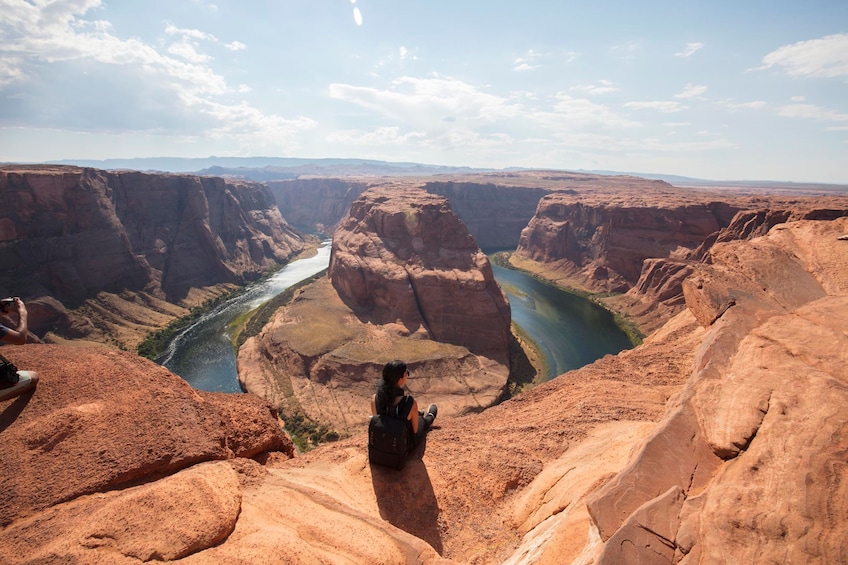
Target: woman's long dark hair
[{"x": 393, "y": 371}]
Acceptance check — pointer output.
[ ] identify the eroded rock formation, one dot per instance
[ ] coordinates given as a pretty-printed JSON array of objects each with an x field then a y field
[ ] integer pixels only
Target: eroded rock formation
[
  {"x": 406, "y": 280},
  {"x": 721, "y": 438},
  {"x": 317, "y": 204},
  {"x": 494, "y": 213},
  {"x": 604, "y": 245},
  {"x": 112, "y": 459},
  {"x": 403, "y": 257},
  {"x": 753, "y": 447}
]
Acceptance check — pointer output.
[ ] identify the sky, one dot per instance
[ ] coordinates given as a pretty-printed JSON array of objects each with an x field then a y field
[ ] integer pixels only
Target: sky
[{"x": 742, "y": 90}]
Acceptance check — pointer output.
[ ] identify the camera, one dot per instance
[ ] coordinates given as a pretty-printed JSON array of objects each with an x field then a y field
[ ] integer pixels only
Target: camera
[{"x": 6, "y": 303}]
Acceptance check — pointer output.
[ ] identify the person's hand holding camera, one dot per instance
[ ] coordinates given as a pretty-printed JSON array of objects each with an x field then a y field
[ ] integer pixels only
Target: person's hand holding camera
[
  {"x": 11, "y": 303},
  {"x": 19, "y": 334}
]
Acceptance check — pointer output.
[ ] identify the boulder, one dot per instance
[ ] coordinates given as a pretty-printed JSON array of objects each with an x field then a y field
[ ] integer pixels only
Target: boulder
[{"x": 101, "y": 420}]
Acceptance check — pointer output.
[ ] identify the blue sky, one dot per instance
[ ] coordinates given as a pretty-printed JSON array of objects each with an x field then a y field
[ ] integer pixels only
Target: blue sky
[{"x": 718, "y": 90}]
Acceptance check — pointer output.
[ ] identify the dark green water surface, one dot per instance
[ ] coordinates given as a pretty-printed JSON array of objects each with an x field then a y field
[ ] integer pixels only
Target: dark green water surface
[{"x": 571, "y": 331}]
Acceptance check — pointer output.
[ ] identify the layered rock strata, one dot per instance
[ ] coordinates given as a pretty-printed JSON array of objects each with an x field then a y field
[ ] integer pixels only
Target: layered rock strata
[
  {"x": 316, "y": 204},
  {"x": 494, "y": 214},
  {"x": 112, "y": 459},
  {"x": 494, "y": 207},
  {"x": 69, "y": 234},
  {"x": 403, "y": 257},
  {"x": 604, "y": 245}
]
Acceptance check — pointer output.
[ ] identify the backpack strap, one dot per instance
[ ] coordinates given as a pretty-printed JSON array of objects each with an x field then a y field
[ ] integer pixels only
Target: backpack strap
[
  {"x": 403, "y": 408},
  {"x": 399, "y": 410}
]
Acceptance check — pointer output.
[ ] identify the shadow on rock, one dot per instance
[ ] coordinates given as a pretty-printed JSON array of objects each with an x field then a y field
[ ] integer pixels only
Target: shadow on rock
[
  {"x": 406, "y": 499},
  {"x": 13, "y": 410}
]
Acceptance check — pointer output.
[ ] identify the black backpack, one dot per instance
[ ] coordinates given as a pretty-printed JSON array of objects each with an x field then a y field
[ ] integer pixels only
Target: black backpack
[
  {"x": 389, "y": 438},
  {"x": 8, "y": 373}
]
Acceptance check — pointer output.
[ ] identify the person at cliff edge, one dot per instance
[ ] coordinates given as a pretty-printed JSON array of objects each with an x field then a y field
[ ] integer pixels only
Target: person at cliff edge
[
  {"x": 12, "y": 381},
  {"x": 390, "y": 398}
]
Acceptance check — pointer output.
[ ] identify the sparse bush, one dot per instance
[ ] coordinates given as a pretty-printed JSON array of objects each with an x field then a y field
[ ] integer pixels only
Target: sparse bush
[{"x": 307, "y": 434}]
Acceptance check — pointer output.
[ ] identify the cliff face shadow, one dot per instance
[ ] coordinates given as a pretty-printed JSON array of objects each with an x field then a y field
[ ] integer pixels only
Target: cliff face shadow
[{"x": 406, "y": 498}]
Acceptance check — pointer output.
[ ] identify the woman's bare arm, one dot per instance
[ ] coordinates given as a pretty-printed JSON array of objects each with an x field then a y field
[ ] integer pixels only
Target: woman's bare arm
[{"x": 413, "y": 416}]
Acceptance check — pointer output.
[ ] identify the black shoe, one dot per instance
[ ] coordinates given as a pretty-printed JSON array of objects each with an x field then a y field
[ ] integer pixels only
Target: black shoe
[{"x": 431, "y": 415}]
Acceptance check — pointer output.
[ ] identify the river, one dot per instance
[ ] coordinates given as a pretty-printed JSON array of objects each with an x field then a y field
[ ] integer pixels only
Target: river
[
  {"x": 570, "y": 331},
  {"x": 203, "y": 355}
]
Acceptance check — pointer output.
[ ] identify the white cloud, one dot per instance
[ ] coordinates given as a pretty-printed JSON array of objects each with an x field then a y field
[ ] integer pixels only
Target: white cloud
[
  {"x": 676, "y": 124},
  {"x": 425, "y": 102},
  {"x": 10, "y": 71},
  {"x": 667, "y": 107},
  {"x": 826, "y": 57},
  {"x": 811, "y": 111},
  {"x": 527, "y": 62},
  {"x": 691, "y": 91},
  {"x": 188, "y": 51},
  {"x": 689, "y": 50},
  {"x": 380, "y": 136},
  {"x": 406, "y": 55},
  {"x": 357, "y": 16},
  {"x": 575, "y": 113},
  {"x": 603, "y": 87},
  {"x": 753, "y": 105},
  {"x": 235, "y": 46},
  {"x": 153, "y": 90},
  {"x": 199, "y": 35},
  {"x": 171, "y": 29},
  {"x": 208, "y": 6}
]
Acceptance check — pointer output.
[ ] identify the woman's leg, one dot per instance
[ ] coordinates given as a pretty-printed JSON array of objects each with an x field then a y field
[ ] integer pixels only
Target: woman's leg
[{"x": 422, "y": 431}]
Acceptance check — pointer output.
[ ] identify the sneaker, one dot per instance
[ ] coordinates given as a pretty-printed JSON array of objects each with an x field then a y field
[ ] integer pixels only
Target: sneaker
[
  {"x": 431, "y": 414},
  {"x": 26, "y": 381}
]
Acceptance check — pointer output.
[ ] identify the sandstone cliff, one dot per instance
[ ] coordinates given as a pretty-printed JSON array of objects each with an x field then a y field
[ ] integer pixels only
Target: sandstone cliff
[
  {"x": 642, "y": 242},
  {"x": 752, "y": 449},
  {"x": 403, "y": 257},
  {"x": 129, "y": 242},
  {"x": 494, "y": 213},
  {"x": 605, "y": 244},
  {"x": 494, "y": 207},
  {"x": 406, "y": 281},
  {"x": 316, "y": 204}
]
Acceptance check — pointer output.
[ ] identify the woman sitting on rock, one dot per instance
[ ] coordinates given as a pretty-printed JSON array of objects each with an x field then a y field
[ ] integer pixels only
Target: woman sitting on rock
[{"x": 390, "y": 398}]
